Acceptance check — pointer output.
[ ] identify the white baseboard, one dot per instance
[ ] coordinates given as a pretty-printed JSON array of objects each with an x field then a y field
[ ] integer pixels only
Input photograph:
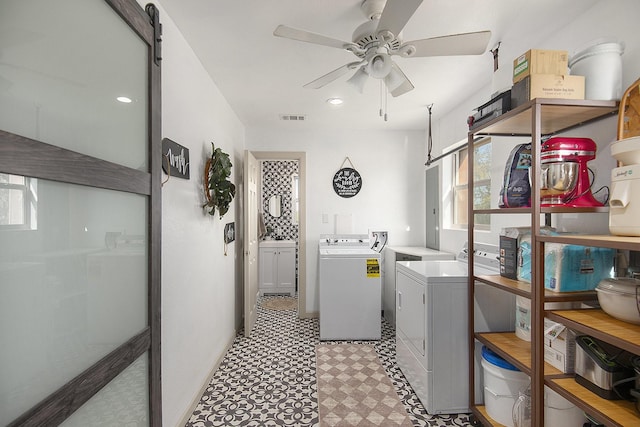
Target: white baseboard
[{"x": 205, "y": 384}]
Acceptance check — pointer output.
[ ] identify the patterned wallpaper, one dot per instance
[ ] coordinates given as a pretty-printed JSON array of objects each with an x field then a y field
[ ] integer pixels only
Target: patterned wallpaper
[{"x": 276, "y": 179}]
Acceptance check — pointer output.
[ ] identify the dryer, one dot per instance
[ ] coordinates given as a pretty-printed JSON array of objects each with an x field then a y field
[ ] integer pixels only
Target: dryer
[
  {"x": 390, "y": 256},
  {"x": 432, "y": 333}
]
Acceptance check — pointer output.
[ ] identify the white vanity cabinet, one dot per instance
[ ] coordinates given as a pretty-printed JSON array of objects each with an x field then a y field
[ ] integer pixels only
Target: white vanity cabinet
[{"x": 277, "y": 267}]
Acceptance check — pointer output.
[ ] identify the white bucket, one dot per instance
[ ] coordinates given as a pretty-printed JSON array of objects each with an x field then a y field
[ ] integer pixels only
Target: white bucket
[
  {"x": 558, "y": 411},
  {"x": 601, "y": 64},
  {"x": 501, "y": 388}
]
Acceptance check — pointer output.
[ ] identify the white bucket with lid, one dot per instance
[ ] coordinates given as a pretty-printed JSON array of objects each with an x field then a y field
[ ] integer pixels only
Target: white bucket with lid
[
  {"x": 601, "y": 64},
  {"x": 502, "y": 384}
]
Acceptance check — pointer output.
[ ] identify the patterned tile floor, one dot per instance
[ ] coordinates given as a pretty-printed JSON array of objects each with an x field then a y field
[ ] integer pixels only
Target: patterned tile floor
[{"x": 269, "y": 379}]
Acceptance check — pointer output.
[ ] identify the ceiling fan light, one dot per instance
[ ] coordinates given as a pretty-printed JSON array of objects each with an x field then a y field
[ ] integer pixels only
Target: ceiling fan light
[
  {"x": 379, "y": 66},
  {"x": 394, "y": 79},
  {"x": 358, "y": 79}
]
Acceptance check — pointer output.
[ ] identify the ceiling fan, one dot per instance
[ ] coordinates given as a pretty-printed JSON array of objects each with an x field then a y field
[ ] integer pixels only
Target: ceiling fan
[{"x": 380, "y": 38}]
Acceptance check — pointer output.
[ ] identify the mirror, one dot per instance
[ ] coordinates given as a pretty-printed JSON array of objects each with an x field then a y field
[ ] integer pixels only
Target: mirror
[{"x": 275, "y": 205}]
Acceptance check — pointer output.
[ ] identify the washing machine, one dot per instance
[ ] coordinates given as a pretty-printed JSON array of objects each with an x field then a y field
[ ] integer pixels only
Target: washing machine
[
  {"x": 350, "y": 288},
  {"x": 432, "y": 329}
]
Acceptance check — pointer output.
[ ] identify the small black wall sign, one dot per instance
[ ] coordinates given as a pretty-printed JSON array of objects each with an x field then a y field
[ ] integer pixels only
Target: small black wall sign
[
  {"x": 347, "y": 182},
  {"x": 175, "y": 159}
]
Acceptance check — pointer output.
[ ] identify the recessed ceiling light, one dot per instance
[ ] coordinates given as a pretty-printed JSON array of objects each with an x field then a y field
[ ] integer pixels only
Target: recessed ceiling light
[
  {"x": 124, "y": 99},
  {"x": 335, "y": 101}
]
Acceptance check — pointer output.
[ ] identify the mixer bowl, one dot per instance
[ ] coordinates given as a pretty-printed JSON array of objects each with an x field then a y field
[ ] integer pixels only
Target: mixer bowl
[{"x": 558, "y": 178}]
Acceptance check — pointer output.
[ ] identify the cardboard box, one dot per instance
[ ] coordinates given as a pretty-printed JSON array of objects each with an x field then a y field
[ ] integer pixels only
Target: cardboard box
[
  {"x": 559, "y": 346},
  {"x": 510, "y": 256},
  {"x": 539, "y": 61},
  {"x": 558, "y": 360},
  {"x": 553, "y": 86},
  {"x": 559, "y": 337},
  {"x": 509, "y": 243}
]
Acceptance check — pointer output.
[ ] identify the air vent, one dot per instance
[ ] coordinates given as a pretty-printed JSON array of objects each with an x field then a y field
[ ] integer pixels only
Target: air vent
[{"x": 293, "y": 117}]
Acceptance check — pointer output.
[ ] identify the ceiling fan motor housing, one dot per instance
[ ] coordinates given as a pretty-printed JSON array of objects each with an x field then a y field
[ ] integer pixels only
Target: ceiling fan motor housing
[{"x": 366, "y": 38}]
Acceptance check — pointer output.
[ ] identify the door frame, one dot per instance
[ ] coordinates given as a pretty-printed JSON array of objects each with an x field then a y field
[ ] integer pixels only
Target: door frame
[
  {"x": 250, "y": 244},
  {"x": 301, "y": 157}
]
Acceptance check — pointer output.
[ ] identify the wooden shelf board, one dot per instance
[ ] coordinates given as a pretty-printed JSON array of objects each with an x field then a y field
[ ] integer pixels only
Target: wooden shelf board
[
  {"x": 480, "y": 411},
  {"x": 524, "y": 289},
  {"x": 599, "y": 324},
  {"x": 605, "y": 241},
  {"x": 557, "y": 115},
  {"x": 556, "y": 210},
  {"x": 514, "y": 286},
  {"x": 513, "y": 349},
  {"x": 610, "y": 412}
]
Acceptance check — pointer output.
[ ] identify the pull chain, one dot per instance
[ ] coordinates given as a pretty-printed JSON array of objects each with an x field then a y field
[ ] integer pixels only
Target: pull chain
[
  {"x": 383, "y": 101},
  {"x": 380, "y": 98}
]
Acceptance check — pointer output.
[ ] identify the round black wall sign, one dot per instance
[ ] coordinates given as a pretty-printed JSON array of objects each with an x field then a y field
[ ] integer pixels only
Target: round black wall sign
[{"x": 347, "y": 182}]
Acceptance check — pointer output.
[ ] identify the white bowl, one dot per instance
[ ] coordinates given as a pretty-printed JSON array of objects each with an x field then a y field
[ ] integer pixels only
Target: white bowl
[
  {"x": 627, "y": 150},
  {"x": 620, "y": 298}
]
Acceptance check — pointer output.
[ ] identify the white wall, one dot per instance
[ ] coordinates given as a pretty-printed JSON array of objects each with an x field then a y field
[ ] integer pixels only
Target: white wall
[
  {"x": 201, "y": 292},
  {"x": 392, "y": 195},
  {"x": 615, "y": 19}
]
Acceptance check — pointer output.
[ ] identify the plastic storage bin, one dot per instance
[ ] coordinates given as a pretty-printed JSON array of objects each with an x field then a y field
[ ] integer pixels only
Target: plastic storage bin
[{"x": 502, "y": 384}]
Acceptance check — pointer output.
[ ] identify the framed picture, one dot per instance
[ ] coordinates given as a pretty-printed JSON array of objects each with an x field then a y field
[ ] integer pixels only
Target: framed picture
[{"x": 229, "y": 232}]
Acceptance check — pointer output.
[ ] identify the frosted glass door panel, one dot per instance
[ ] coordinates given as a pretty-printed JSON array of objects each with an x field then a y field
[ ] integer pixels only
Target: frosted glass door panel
[
  {"x": 69, "y": 99},
  {"x": 122, "y": 402},
  {"x": 72, "y": 289}
]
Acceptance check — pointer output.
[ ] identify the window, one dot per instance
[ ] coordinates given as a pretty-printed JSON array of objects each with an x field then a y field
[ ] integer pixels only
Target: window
[
  {"x": 481, "y": 183},
  {"x": 18, "y": 202}
]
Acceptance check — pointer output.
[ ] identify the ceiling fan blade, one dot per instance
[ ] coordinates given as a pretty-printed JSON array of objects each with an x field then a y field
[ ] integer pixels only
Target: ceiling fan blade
[
  {"x": 397, "y": 83},
  {"x": 396, "y": 14},
  {"x": 455, "y": 44},
  {"x": 306, "y": 36},
  {"x": 329, "y": 77}
]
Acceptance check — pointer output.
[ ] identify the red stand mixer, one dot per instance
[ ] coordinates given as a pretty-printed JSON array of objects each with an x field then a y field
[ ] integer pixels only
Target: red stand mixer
[{"x": 564, "y": 178}]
